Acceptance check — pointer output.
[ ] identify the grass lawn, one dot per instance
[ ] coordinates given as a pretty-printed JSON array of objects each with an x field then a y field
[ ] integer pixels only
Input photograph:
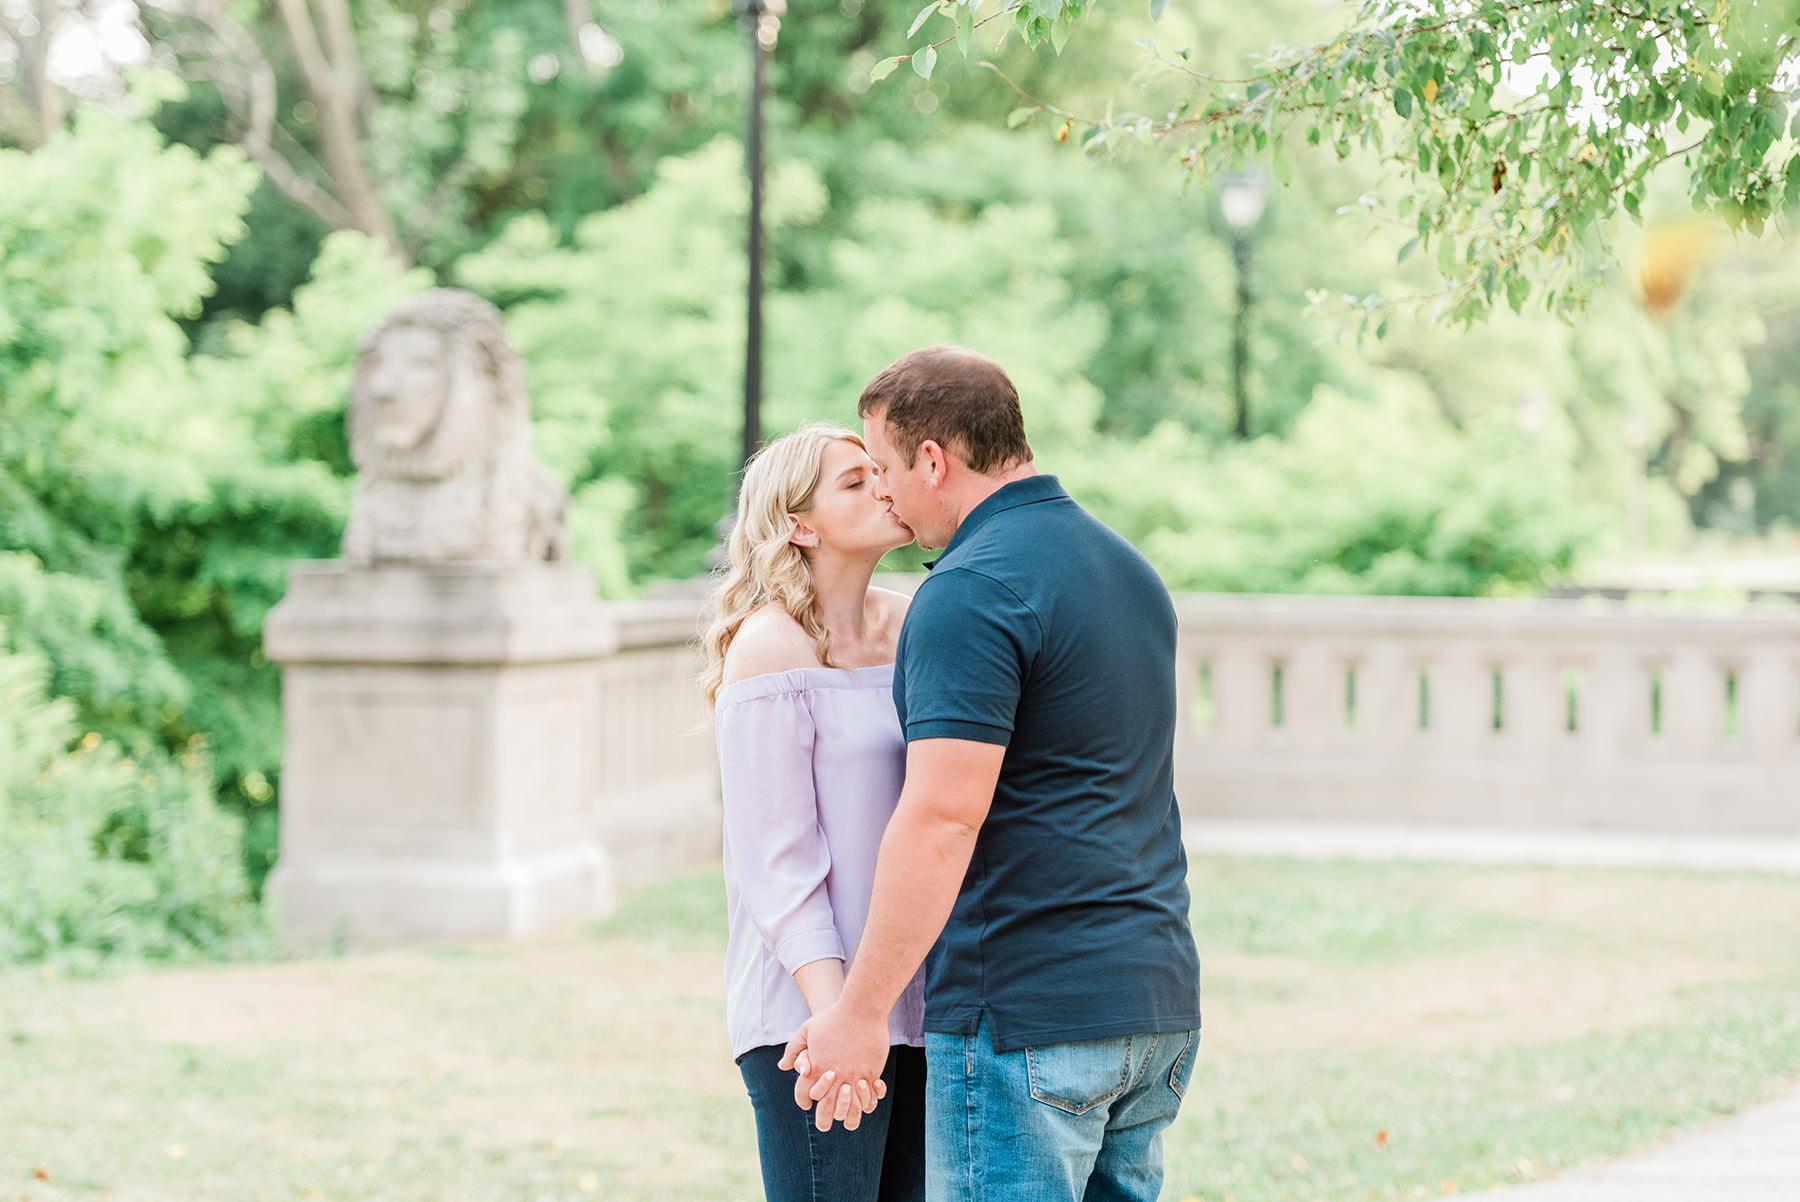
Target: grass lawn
[{"x": 1373, "y": 1031}]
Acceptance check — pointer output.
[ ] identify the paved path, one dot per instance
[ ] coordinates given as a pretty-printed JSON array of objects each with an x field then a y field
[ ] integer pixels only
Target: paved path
[
  {"x": 1752, "y": 1157},
  {"x": 1478, "y": 845}
]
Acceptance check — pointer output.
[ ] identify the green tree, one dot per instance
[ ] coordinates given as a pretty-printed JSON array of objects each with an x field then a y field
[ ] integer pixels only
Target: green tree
[
  {"x": 1512, "y": 135},
  {"x": 105, "y": 237},
  {"x": 104, "y": 855},
  {"x": 149, "y": 502}
]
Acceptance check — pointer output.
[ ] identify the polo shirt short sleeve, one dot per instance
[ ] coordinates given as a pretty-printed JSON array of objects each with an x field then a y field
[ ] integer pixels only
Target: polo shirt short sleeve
[
  {"x": 1044, "y": 632},
  {"x": 975, "y": 694}
]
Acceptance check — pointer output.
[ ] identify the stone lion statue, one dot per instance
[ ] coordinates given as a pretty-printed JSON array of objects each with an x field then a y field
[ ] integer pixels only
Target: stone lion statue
[{"x": 440, "y": 430}]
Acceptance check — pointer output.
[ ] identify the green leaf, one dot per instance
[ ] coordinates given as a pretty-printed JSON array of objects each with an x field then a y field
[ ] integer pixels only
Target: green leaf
[
  {"x": 1021, "y": 115},
  {"x": 1406, "y": 252},
  {"x": 1283, "y": 169},
  {"x": 924, "y": 61},
  {"x": 1059, "y": 32},
  {"x": 1157, "y": 8},
  {"x": 924, "y": 15},
  {"x": 965, "y": 27},
  {"x": 1403, "y": 102},
  {"x": 885, "y": 68},
  {"x": 1518, "y": 290}
]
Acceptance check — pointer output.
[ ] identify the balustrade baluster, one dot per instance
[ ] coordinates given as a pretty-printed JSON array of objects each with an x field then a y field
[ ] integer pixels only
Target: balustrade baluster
[
  {"x": 1534, "y": 707},
  {"x": 1461, "y": 708},
  {"x": 1769, "y": 706},
  {"x": 1693, "y": 705},
  {"x": 1387, "y": 698},
  {"x": 1313, "y": 695},
  {"x": 1243, "y": 697}
]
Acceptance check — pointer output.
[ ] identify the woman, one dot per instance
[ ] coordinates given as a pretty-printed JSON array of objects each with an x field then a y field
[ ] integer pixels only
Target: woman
[{"x": 799, "y": 670}]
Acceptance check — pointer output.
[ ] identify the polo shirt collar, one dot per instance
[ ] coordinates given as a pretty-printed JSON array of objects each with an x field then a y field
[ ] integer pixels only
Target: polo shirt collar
[{"x": 1028, "y": 491}]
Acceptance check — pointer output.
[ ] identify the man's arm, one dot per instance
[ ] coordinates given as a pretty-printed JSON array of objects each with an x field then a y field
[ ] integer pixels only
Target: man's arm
[{"x": 924, "y": 857}]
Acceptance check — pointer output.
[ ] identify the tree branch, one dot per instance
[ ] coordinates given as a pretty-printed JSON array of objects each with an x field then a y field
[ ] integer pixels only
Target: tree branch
[
  {"x": 253, "y": 103},
  {"x": 333, "y": 88},
  {"x": 43, "y": 100}
]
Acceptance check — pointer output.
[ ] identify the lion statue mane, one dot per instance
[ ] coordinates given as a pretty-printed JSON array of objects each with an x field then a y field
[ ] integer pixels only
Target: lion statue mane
[{"x": 462, "y": 484}]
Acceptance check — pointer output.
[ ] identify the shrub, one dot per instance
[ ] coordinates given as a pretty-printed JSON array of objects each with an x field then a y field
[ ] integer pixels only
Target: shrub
[{"x": 106, "y": 855}]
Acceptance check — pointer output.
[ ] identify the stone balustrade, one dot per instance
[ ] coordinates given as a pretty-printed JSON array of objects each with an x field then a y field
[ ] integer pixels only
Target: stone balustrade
[
  {"x": 659, "y": 790},
  {"x": 1494, "y": 713},
  {"x": 476, "y": 751}
]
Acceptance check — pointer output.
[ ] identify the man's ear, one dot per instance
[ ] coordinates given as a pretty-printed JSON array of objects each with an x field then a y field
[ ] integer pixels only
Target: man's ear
[
  {"x": 800, "y": 534},
  {"x": 937, "y": 461}
]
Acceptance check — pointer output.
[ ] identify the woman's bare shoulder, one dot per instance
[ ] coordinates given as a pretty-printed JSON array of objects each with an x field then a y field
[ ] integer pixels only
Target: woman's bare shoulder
[
  {"x": 893, "y": 604},
  {"x": 770, "y": 640}
]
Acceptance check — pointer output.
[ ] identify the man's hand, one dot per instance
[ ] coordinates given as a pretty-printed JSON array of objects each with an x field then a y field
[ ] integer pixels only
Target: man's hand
[{"x": 839, "y": 1055}]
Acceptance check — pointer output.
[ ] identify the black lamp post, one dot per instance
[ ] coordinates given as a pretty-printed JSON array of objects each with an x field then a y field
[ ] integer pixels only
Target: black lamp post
[
  {"x": 762, "y": 19},
  {"x": 1242, "y": 197}
]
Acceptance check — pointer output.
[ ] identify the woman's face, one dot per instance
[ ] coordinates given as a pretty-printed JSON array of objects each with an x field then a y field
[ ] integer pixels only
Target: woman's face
[{"x": 845, "y": 514}]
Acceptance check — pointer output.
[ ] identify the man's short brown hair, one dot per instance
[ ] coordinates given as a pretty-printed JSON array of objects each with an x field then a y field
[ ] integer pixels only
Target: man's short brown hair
[{"x": 959, "y": 399}]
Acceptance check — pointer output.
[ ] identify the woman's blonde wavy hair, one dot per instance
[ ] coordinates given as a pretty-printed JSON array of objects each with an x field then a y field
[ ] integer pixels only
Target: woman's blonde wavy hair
[{"x": 765, "y": 568}]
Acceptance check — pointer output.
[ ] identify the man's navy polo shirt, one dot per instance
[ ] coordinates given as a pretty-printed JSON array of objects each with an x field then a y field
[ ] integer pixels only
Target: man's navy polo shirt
[{"x": 1042, "y": 630}]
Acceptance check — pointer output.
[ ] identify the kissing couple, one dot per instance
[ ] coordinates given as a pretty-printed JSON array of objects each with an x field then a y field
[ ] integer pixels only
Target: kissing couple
[{"x": 959, "y": 966}]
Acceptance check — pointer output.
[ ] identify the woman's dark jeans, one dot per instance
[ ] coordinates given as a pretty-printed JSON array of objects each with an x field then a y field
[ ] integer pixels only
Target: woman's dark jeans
[{"x": 883, "y": 1160}]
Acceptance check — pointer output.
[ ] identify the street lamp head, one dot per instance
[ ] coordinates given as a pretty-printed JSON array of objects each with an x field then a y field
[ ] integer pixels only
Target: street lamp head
[
  {"x": 763, "y": 17},
  {"x": 1242, "y": 197}
]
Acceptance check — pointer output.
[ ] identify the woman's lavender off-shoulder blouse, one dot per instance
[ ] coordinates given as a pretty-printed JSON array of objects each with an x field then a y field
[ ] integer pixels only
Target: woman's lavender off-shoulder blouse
[{"x": 810, "y": 762}]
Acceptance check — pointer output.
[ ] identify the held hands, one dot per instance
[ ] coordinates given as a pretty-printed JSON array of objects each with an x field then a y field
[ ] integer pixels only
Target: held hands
[{"x": 837, "y": 1055}]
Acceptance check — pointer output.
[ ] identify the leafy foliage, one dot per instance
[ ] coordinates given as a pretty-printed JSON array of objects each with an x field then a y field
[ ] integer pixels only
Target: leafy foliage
[
  {"x": 104, "y": 855},
  {"x": 1511, "y": 134},
  {"x": 96, "y": 444},
  {"x": 1379, "y": 496},
  {"x": 1370, "y": 491},
  {"x": 149, "y": 502}
]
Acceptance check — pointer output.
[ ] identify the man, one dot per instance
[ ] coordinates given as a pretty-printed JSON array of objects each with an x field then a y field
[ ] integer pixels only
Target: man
[{"x": 1037, "y": 829}]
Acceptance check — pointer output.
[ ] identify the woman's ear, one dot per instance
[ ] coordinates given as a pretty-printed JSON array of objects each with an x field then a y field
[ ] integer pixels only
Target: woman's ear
[{"x": 800, "y": 534}]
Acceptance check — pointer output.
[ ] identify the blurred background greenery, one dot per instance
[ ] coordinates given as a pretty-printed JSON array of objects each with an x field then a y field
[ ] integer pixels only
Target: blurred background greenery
[{"x": 204, "y": 204}]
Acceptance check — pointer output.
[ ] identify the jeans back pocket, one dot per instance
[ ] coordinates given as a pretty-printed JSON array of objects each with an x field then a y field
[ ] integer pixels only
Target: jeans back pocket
[{"x": 1076, "y": 1077}]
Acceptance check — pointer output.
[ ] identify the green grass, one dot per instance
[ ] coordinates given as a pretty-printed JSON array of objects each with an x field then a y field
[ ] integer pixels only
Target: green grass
[
  {"x": 1373, "y": 1030},
  {"x": 1339, "y": 912},
  {"x": 686, "y": 912},
  {"x": 1385, "y": 1123}
]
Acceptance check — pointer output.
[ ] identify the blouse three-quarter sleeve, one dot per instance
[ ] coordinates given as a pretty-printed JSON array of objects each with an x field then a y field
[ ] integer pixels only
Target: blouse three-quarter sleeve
[{"x": 772, "y": 831}]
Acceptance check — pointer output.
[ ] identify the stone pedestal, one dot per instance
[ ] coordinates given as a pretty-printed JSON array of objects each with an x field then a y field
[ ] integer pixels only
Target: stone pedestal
[{"x": 441, "y": 776}]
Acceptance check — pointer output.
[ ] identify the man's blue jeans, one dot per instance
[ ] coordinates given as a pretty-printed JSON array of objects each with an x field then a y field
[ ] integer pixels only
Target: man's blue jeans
[{"x": 1069, "y": 1122}]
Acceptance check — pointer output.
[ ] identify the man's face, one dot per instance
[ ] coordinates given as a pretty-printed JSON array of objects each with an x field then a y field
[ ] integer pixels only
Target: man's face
[{"x": 908, "y": 491}]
